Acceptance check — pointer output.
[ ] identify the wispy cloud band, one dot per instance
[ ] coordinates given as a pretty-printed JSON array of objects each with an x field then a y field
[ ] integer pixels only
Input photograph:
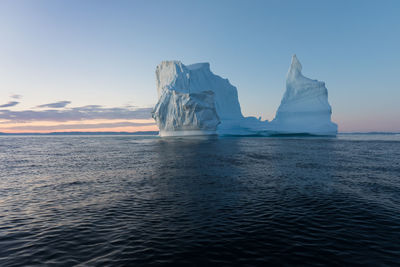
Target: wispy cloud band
[
  {"x": 9, "y": 104},
  {"x": 82, "y": 126},
  {"x": 60, "y": 104},
  {"x": 91, "y": 112}
]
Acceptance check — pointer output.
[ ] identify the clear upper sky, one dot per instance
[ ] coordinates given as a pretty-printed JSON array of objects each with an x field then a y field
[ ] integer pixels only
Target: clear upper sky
[{"x": 79, "y": 65}]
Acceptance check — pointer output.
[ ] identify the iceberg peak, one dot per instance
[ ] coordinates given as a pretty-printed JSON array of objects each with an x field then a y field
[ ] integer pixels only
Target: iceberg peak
[
  {"x": 304, "y": 107},
  {"x": 295, "y": 69}
]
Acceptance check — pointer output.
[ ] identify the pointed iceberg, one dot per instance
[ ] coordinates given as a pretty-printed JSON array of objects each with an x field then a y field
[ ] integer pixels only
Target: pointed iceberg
[{"x": 304, "y": 107}]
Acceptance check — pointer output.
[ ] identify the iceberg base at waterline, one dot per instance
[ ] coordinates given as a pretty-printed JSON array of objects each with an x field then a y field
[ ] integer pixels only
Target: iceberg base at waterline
[
  {"x": 186, "y": 133},
  {"x": 246, "y": 126}
]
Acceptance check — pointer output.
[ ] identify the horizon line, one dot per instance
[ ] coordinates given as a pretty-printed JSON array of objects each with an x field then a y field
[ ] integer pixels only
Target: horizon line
[{"x": 146, "y": 132}]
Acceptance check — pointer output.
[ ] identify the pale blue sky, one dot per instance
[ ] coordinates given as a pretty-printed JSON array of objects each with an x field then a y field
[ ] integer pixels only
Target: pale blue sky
[{"x": 105, "y": 52}]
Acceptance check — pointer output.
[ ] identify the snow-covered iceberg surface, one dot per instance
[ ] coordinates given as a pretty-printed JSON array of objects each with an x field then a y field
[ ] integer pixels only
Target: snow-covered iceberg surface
[
  {"x": 192, "y": 101},
  {"x": 304, "y": 107}
]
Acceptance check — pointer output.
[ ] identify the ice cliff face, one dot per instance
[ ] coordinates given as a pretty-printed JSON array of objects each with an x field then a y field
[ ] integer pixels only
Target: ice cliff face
[
  {"x": 304, "y": 107},
  {"x": 196, "y": 78},
  {"x": 192, "y": 100},
  {"x": 178, "y": 113}
]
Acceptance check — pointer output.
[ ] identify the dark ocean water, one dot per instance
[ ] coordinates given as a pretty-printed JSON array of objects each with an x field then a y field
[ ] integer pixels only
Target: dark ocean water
[{"x": 134, "y": 200}]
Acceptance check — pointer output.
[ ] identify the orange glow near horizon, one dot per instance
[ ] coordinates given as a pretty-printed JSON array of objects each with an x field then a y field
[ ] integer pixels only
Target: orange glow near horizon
[
  {"x": 117, "y": 129},
  {"x": 51, "y": 126},
  {"x": 6, "y": 124}
]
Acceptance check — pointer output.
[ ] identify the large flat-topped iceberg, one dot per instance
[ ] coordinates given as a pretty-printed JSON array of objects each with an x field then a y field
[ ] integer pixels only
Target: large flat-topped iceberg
[
  {"x": 196, "y": 78},
  {"x": 192, "y": 100},
  {"x": 304, "y": 107}
]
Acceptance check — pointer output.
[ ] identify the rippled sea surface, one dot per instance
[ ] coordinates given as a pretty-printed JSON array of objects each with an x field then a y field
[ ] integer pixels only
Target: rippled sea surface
[{"x": 135, "y": 200}]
